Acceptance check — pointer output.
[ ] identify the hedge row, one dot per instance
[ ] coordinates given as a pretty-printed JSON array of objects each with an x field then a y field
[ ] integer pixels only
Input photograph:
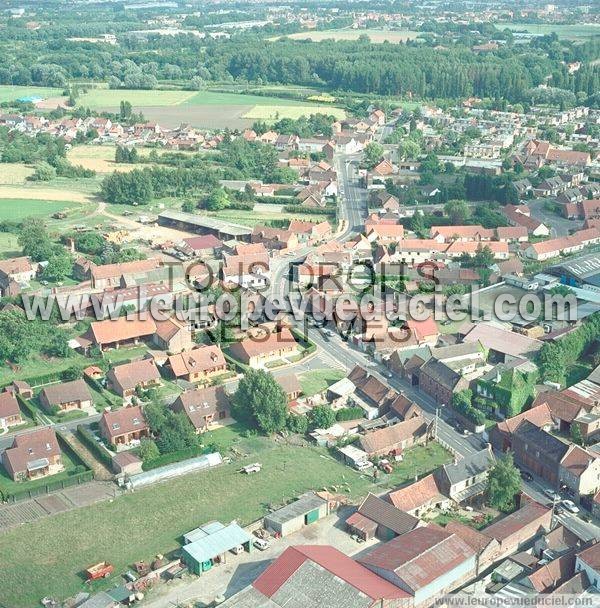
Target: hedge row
[
  {"x": 329, "y": 211},
  {"x": 94, "y": 447},
  {"x": 172, "y": 457}
]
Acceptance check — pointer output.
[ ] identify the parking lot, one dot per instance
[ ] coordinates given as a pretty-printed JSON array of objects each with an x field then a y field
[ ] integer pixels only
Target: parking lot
[{"x": 241, "y": 570}]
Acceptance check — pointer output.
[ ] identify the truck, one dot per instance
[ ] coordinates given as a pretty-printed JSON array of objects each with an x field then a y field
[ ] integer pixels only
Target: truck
[{"x": 99, "y": 570}]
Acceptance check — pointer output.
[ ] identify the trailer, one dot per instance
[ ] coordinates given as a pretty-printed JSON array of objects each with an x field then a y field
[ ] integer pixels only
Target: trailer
[{"x": 99, "y": 570}]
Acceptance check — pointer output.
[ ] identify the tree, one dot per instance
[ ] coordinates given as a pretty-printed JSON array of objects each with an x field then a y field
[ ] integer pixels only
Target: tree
[
  {"x": 458, "y": 211},
  {"x": 148, "y": 450},
  {"x": 373, "y": 154},
  {"x": 60, "y": 265},
  {"x": 297, "y": 423},
  {"x": 503, "y": 484},
  {"x": 44, "y": 172},
  {"x": 576, "y": 434},
  {"x": 409, "y": 148},
  {"x": 217, "y": 200},
  {"x": 260, "y": 400},
  {"x": 34, "y": 239},
  {"x": 322, "y": 417}
]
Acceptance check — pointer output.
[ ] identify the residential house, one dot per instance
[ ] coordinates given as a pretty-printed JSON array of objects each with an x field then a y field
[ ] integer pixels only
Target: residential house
[
  {"x": 33, "y": 455},
  {"x": 520, "y": 527},
  {"x": 440, "y": 381},
  {"x": 486, "y": 548},
  {"x": 14, "y": 273},
  {"x": 501, "y": 434},
  {"x": 291, "y": 386},
  {"x": 466, "y": 477},
  {"x": 198, "y": 365},
  {"x": 126, "y": 378},
  {"x": 172, "y": 336},
  {"x": 203, "y": 245},
  {"x": 275, "y": 238},
  {"x": 419, "y": 497},
  {"x": 263, "y": 347},
  {"x": 10, "y": 414},
  {"x": 204, "y": 407},
  {"x": 396, "y": 438},
  {"x": 66, "y": 396},
  {"x": 588, "y": 561},
  {"x": 113, "y": 333},
  {"x": 426, "y": 562},
  {"x": 538, "y": 451},
  {"x": 579, "y": 470},
  {"x": 377, "y": 518},
  {"x": 123, "y": 274},
  {"x": 123, "y": 426}
]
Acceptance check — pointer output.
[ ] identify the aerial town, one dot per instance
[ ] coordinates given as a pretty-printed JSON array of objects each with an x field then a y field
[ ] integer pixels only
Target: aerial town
[{"x": 299, "y": 303}]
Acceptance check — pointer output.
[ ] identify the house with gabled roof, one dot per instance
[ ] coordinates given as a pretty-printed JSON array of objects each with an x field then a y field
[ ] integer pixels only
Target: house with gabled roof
[
  {"x": 199, "y": 364},
  {"x": 33, "y": 454},
  {"x": 121, "y": 427},
  {"x": 204, "y": 406}
]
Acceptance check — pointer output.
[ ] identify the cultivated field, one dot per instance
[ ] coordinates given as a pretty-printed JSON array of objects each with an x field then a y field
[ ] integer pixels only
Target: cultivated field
[
  {"x": 98, "y": 158},
  {"x": 272, "y": 113},
  {"x": 65, "y": 544},
  {"x": 393, "y": 36},
  {"x": 111, "y": 98},
  {"x": 577, "y": 31},
  {"x": 14, "y": 173}
]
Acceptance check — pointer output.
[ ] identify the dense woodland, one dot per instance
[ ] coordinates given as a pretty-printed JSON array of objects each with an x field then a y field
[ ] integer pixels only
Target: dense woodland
[{"x": 422, "y": 69}]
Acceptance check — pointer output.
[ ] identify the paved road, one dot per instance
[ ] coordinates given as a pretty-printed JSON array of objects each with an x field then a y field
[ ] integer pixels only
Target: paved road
[{"x": 559, "y": 226}]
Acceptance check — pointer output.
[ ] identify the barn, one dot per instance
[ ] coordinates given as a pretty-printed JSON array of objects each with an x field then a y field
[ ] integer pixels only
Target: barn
[{"x": 308, "y": 509}]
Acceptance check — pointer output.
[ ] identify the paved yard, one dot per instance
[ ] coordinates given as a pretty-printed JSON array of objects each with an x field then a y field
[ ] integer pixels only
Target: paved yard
[{"x": 241, "y": 570}]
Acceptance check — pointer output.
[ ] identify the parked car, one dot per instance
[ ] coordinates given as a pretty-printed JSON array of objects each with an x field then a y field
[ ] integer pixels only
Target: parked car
[
  {"x": 363, "y": 465},
  {"x": 551, "y": 494},
  {"x": 569, "y": 505},
  {"x": 526, "y": 475},
  {"x": 260, "y": 543},
  {"x": 237, "y": 550}
]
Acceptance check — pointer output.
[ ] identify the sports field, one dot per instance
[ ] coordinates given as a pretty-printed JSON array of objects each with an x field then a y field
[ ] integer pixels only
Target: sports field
[
  {"x": 576, "y": 31},
  {"x": 393, "y": 36}
]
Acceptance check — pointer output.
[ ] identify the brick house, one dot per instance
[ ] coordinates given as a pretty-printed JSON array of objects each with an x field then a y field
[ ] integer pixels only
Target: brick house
[
  {"x": 501, "y": 434},
  {"x": 172, "y": 336},
  {"x": 33, "y": 455},
  {"x": 122, "y": 426},
  {"x": 267, "y": 346},
  {"x": 204, "y": 406},
  {"x": 440, "y": 381},
  {"x": 125, "y": 379},
  {"x": 538, "y": 451},
  {"x": 198, "y": 365},
  {"x": 579, "y": 470},
  {"x": 66, "y": 396},
  {"x": 17, "y": 270},
  {"x": 396, "y": 438},
  {"x": 10, "y": 414}
]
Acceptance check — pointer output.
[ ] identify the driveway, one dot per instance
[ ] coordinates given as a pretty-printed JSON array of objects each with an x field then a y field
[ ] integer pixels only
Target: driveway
[{"x": 241, "y": 570}]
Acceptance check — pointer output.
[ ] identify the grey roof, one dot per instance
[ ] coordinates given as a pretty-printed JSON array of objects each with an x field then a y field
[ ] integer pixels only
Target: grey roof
[
  {"x": 463, "y": 349},
  {"x": 386, "y": 514},
  {"x": 582, "y": 267},
  {"x": 469, "y": 466},
  {"x": 306, "y": 503},
  {"x": 203, "y": 221},
  {"x": 595, "y": 376},
  {"x": 312, "y": 585},
  {"x": 442, "y": 374},
  {"x": 65, "y": 392},
  {"x": 551, "y": 448},
  {"x": 249, "y": 598},
  {"x": 99, "y": 600},
  {"x": 217, "y": 542}
]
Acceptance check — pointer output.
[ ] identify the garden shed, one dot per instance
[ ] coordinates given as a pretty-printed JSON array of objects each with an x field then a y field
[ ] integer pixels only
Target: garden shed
[{"x": 308, "y": 509}]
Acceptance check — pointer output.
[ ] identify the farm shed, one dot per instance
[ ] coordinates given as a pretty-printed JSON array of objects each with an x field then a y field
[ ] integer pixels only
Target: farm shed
[
  {"x": 308, "y": 509},
  {"x": 209, "y": 544}
]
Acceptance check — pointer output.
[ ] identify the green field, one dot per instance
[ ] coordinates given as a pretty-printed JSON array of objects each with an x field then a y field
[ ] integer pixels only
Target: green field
[
  {"x": 10, "y": 93},
  {"x": 111, "y": 98},
  {"x": 14, "y": 209},
  {"x": 139, "y": 525},
  {"x": 577, "y": 31},
  {"x": 378, "y": 36},
  {"x": 9, "y": 247}
]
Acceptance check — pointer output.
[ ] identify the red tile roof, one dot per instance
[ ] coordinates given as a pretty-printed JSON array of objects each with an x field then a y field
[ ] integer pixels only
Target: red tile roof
[
  {"x": 416, "y": 495},
  {"x": 591, "y": 556},
  {"x": 420, "y": 556},
  {"x": 201, "y": 359},
  {"x": 331, "y": 560},
  {"x": 122, "y": 329},
  {"x": 28, "y": 447},
  {"x": 513, "y": 523},
  {"x": 124, "y": 420},
  {"x": 9, "y": 406}
]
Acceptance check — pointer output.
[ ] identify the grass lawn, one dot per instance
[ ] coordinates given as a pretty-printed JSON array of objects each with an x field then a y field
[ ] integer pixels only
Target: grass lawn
[
  {"x": 119, "y": 355},
  {"x": 141, "y": 524},
  {"x": 9, "y": 486},
  {"x": 251, "y": 218},
  {"x": 19, "y": 208},
  {"x": 14, "y": 173},
  {"x": 97, "y": 158},
  {"x": 12, "y": 93},
  {"x": 215, "y": 98},
  {"x": 9, "y": 247},
  {"x": 40, "y": 366},
  {"x": 318, "y": 380}
]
